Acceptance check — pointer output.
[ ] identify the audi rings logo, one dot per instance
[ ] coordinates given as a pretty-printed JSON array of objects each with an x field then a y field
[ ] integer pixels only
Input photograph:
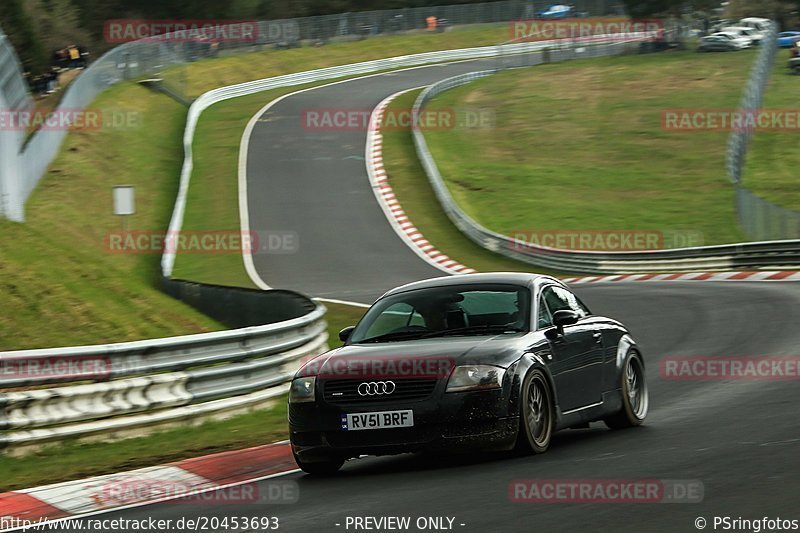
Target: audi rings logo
[{"x": 376, "y": 388}]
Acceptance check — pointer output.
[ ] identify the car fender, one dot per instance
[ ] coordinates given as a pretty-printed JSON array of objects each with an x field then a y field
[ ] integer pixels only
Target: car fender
[
  {"x": 625, "y": 344},
  {"x": 525, "y": 364}
]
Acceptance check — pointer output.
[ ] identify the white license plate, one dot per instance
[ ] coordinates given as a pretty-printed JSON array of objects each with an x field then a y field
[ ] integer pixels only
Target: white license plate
[{"x": 378, "y": 420}]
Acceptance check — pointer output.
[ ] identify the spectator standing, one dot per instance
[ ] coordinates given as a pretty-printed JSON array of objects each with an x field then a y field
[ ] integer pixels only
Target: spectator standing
[{"x": 74, "y": 56}]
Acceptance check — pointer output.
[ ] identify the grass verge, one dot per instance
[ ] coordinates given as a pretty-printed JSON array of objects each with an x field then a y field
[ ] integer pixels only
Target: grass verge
[
  {"x": 60, "y": 284},
  {"x": 580, "y": 146},
  {"x": 200, "y": 76},
  {"x": 415, "y": 194},
  {"x": 54, "y": 269},
  {"x": 73, "y": 460}
]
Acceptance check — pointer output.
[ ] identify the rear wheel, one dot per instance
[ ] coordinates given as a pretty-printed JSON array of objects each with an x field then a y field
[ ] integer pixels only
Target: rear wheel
[
  {"x": 635, "y": 397},
  {"x": 536, "y": 414},
  {"x": 321, "y": 468}
]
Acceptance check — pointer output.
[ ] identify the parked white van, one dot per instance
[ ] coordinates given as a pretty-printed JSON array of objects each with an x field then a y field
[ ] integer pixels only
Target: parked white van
[
  {"x": 757, "y": 23},
  {"x": 744, "y": 31}
]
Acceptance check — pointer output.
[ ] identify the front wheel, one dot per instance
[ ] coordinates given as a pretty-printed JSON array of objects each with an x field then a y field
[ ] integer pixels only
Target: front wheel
[
  {"x": 537, "y": 414},
  {"x": 635, "y": 397},
  {"x": 321, "y": 468}
]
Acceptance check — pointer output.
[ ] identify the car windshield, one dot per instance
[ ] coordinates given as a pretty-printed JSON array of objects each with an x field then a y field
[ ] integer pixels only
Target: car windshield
[{"x": 453, "y": 310}]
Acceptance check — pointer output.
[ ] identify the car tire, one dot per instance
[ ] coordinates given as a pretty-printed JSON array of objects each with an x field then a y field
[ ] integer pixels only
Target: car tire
[
  {"x": 319, "y": 468},
  {"x": 537, "y": 414},
  {"x": 635, "y": 396}
]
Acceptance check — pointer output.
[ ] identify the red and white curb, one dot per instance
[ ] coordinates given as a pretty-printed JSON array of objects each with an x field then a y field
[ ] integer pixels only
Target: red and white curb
[
  {"x": 391, "y": 207},
  {"x": 759, "y": 275},
  {"x": 184, "y": 481}
]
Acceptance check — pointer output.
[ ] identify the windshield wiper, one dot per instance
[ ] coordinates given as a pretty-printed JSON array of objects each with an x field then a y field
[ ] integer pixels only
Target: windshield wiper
[
  {"x": 482, "y": 329},
  {"x": 394, "y": 336}
]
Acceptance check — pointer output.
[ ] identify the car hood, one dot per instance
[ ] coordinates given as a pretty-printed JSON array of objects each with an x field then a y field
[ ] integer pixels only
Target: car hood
[{"x": 441, "y": 354}]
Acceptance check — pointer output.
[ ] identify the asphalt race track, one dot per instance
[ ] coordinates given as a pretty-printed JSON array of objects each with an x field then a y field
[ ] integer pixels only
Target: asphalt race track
[
  {"x": 315, "y": 184},
  {"x": 738, "y": 438}
]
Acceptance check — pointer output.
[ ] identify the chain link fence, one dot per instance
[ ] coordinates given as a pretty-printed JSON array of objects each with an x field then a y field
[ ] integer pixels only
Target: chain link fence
[
  {"x": 387, "y": 21},
  {"x": 751, "y": 101},
  {"x": 760, "y": 219},
  {"x": 563, "y": 50}
]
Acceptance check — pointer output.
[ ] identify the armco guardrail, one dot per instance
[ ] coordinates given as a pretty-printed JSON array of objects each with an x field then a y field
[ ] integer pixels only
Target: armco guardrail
[
  {"x": 723, "y": 257},
  {"x": 119, "y": 388},
  {"x": 243, "y": 89},
  {"x": 13, "y": 95}
]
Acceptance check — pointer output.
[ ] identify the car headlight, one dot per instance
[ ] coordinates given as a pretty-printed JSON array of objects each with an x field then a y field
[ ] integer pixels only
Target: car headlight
[
  {"x": 302, "y": 390},
  {"x": 475, "y": 377}
]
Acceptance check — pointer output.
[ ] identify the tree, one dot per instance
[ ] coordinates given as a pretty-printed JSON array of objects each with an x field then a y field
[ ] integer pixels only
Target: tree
[
  {"x": 781, "y": 11},
  {"x": 21, "y": 31}
]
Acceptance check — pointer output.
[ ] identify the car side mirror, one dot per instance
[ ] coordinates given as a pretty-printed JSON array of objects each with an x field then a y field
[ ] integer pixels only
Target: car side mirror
[
  {"x": 564, "y": 317},
  {"x": 345, "y": 333}
]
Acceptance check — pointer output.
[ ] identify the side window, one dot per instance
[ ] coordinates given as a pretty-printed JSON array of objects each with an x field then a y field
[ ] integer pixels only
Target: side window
[
  {"x": 545, "y": 318},
  {"x": 558, "y": 298},
  {"x": 582, "y": 306}
]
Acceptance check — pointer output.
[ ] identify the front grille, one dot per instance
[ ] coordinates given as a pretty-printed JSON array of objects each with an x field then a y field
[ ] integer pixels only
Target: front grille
[{"x": 345, "y": 391}]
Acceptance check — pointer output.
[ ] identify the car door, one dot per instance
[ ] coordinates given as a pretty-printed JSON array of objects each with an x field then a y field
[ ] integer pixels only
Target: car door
[{"x": 577, "y": 354}]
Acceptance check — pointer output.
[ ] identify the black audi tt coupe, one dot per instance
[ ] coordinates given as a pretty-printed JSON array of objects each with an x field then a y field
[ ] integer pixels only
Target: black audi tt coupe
[{"x": 488, "y": 361}]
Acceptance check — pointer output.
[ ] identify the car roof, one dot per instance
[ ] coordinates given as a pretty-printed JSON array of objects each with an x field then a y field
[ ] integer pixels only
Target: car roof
[{"x": 511, "y": 278}]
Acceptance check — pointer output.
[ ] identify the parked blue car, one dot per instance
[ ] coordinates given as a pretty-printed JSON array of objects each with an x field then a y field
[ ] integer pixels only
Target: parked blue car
[{"x": 786, "y": 39}]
